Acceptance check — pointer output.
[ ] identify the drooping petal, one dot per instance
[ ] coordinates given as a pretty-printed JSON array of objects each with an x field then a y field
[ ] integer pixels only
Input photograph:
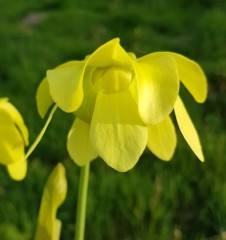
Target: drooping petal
[
  {"x": 17, "y": 170},
  {"x": 162, "y": 139},
  {"x": 43, "y": 98},
  {"x": 190, "y": 74},
  {"x": 78, "y": 143},
  {"x": 54, "y": 194},
  {"x": 158, "y": 87},
  {"x": 65, "y": 85},
  {"x": 13, "y": 134},
  {"x": 187, "y": 129},
  {"x": 117, "y": 132},
  {"x": 16, "y": 118},
  {"x": 11, "y": 147}
]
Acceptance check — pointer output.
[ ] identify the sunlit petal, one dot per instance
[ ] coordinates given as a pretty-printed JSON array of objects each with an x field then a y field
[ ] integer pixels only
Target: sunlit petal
[
  {"x": 190, "y": 74},
  {"x": 158, "y": 87},
  {"x": 17, "y": 170},
  {"x": 187, "y": 129},
  {"x": 117, "y": 132},
  {"x": 162, "y": 139},
  {"x": 109, "y": 54},
  {"x": 65, "y": 85},
  {"x": 78, "y": 143},
  {"x": 54, "y": 194}
]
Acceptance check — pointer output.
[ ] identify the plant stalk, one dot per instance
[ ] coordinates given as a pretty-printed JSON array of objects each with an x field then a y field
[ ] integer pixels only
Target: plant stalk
[{"x": 81, "y": 206}]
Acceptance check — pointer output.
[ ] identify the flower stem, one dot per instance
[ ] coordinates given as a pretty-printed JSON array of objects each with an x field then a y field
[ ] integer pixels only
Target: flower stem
[
  {"x": 39, "y": 137},
  {"x": 81, "y": 206}
]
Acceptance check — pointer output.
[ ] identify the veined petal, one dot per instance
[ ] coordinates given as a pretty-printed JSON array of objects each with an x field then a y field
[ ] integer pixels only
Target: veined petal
[
  {"x": 78, "y": 143},
  {"x": 17, "y": 170},
  {"x": 158, "y": 87},
  {"x": 65, "y": 85},
  {"x": 117, "y": 132},
  {"x": 54, "y": 194},
  {"x": 43, "y": 98},
  {"x": 162, "y": 139},
  {"x": 190, "y": 74},
  {"x": 187, "y": 129},
  {"x": 109, "y": 54}
]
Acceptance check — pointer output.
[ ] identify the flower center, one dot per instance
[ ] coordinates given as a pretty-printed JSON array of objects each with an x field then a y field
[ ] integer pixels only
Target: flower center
[{"x": 111, "y": 79}]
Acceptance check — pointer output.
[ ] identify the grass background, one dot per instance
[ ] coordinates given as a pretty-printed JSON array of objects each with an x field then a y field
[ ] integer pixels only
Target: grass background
[{"x": 182, "y": 199}]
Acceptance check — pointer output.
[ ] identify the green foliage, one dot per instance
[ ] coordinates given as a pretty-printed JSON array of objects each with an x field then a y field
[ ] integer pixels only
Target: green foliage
[{"x": 182, "y": 199}]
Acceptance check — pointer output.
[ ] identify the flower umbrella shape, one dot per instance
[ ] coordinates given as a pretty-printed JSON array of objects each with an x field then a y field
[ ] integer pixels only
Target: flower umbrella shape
[
  {"x": 115, "y": 98},
  {"x": 13, "y": 139}
]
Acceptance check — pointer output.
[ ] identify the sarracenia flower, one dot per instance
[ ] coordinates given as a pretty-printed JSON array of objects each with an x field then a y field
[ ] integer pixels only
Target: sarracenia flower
[
  {"x": 13, "y": 139},
  {"x": 54, "y": 194},
  {"x": 121, "y": 103}
]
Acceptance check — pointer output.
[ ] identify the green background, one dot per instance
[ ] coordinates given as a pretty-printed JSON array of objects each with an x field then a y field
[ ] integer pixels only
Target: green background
[{"x": 181, "y": 199}]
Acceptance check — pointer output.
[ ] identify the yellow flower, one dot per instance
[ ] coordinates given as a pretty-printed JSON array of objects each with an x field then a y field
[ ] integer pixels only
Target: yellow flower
[
  {"x": 13, "y": 139},
  {"x": 121, "y": 103},
  {"x": 54, "y": 194}
]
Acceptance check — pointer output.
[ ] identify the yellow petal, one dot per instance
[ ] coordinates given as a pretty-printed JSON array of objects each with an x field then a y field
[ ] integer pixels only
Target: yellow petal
[
  {"x": 3, "y": 100},
  {"x": 7, "y": 108},
  {"x": 190, "y": 74},
  {"x": 85, "y": 111},
  {"x": 12, "y": 141},
  {"x": 43, "y": 98},
  {"x": 18, "y": 170},
  {"x": 117, "y": 132},
  {"x": 187, "y": 129},
  {"x": 162, "y": 139},
  {"x": 78, "y": 143},
  {"x": 54, "y": 194},
  {"x": 65, "y": 85},
  {"x": 158, "y": 87},
  {"x": 11, "y": 144},
  {"x": 109, "y": 54}
]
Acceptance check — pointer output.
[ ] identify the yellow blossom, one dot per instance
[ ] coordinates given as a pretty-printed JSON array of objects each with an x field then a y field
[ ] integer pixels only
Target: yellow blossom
[
  {"x": 121, "y": 103},
  {"x": 54, "y": 194},
  {"x": 13, "y": 139}
]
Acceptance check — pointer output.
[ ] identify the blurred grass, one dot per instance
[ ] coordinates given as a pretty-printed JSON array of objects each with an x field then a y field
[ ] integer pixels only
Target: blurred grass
[{"x": 182, "y": 199}]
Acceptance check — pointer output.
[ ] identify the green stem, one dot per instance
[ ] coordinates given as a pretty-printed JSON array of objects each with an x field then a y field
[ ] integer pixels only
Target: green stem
[
  {"x": 39, "y": 137},
  {"x": 81, "y": 206}
]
